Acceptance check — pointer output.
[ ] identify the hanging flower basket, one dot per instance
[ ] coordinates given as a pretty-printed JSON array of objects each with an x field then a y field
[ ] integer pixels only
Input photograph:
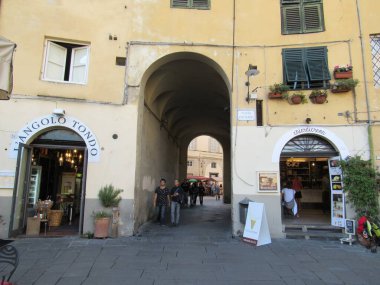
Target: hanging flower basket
[
  {"x": 341, "y": 90},
  {"x": 277, "y": 90},
  {"x": 318, "y": 96}
]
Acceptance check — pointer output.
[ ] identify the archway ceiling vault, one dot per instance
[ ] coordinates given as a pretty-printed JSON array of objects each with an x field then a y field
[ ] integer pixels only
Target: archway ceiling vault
[{"x": 190, "y": 97}]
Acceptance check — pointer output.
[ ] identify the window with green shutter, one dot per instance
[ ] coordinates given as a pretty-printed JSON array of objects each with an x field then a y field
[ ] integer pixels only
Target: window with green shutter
[
  {"x": 302, "y": 16},
  {"x": 306, "y": 68},
  {"x": 191, "y": 4}
]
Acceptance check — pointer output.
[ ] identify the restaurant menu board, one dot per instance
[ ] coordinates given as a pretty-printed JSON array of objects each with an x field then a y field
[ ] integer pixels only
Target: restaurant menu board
[{"x": 337, "y": 196}]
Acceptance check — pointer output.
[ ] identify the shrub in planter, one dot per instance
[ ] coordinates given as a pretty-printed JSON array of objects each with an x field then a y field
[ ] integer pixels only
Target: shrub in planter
[
  {"x": 318, "y": 96},
  {"x": 344, "y": 85},
  {"x": 277, "y": 89},
  {"x": 295, "y": 98},
  {"x": 359, "y": 181},
  {"x": 109, "y": 197}
]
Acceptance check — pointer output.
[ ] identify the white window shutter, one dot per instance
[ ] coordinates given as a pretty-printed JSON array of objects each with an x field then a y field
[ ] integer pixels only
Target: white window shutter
[
  {"x": 55, "y": 62},
  {"x": 79, "y": 64}
]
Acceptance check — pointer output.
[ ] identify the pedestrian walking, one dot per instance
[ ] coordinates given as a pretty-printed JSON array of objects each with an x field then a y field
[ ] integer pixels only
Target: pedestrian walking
[
  {"x": 185, "y": 186},
  {"x": 176, "y": 195},
  {"x": 195, "y": 192},
  {"x": 201, "y": 192},
  {"x": 217, "y": 192},
  {"x": 161, "y": 200}
]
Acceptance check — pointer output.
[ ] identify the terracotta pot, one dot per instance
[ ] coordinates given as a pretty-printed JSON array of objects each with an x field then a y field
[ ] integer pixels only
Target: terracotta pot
[
  {"x": 318, "y": 99},
  {"x": 275, "y": 95},
  {"x": 296, "y": 100},
  {"x": 101, "y": 227},
  {"x": 343, "y": 75}
]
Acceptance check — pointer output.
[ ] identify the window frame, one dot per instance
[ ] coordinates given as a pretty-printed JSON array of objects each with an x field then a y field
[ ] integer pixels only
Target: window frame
[
  {"x": 306, "y": 58},
  {"x": 301, "y": 5},
  {"x": 213, "y": 164},
  {"x": 46, "y": 58},
  {"x": 189, "y": 163},
  {"x": 190, "y": 5},
  {"x": 375, "y": 40}
]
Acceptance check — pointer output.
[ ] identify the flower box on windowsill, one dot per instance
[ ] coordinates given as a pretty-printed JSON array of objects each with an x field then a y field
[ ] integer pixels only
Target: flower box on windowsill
[
  {"x": 342, "y": 74},
  {"x": 340, "y": 90}
]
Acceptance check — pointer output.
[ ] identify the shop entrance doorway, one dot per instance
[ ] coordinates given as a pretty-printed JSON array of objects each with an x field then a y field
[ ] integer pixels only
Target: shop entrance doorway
[
  {"x": 304, "y": 163},
  {"x": 49, "y": 190}
]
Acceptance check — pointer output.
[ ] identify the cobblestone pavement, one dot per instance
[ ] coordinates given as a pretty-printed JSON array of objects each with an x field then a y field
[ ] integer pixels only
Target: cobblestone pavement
[{"x": 199, "y": 251}]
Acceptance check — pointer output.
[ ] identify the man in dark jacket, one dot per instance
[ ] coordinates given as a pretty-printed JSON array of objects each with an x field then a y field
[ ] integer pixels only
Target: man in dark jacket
[{"x": 176, "y": 197}]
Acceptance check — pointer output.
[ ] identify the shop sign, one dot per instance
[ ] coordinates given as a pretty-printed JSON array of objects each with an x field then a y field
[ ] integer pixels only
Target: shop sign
[
  {"x": 338, "y": 204},
  {"x": 256, "y": 230},
  {"x": 309, "y": 130},
  {"x": 246, "y": 115},
  {"x": 29, "y": 132}
]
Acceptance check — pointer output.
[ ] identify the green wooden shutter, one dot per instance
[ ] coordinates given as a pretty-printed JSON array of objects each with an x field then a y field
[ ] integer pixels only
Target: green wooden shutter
[
  {"x": 313, "y": 18},
  {"x": 291, "y": 20},
  {"x": 294, "y": 65},
  {"x": 316, "y": 60},
  {"x": 290, "y": 1},
  {"x": 201, "y": 4},
  {"x": 180, "y": 3}
]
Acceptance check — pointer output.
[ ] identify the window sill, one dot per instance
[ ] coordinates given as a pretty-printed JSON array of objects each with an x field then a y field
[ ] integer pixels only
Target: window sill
[{"x": 64, "y": 82}]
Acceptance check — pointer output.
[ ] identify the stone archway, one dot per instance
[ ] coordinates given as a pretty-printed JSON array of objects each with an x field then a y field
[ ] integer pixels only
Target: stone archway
[{"x": 184, "y": 95}]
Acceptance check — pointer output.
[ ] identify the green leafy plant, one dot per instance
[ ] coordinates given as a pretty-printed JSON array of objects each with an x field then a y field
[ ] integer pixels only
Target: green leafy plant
[
  {"x": 318, "y": 93},
  {"x": 279, "y": 88},
  {"x": 109, "y": 196},
  {"x": 101, "y": 214},
  {"x": 359, "y": 179},
  {"x": 345, "y": 84},
  {"x": 290, "y": 97}
]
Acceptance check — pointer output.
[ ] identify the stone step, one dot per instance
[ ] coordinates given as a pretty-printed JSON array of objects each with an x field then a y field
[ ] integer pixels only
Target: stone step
[{"x": 320, "y": 235}]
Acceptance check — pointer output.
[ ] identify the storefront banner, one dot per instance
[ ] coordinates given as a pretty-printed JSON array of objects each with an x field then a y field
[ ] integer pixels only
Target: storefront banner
[
  {"x": 50, "y": 122},
  {"x": 338, "y": 204},
  {"x": 256, "y": 229}
]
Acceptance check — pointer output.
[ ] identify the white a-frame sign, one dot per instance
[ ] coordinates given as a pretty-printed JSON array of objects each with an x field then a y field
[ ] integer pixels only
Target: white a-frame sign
[{"x": 256, "y": 229}]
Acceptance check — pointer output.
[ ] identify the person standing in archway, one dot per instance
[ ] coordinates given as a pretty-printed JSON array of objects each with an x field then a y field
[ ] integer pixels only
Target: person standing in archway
[
  {"x": 297, "y": 186},
  {"x": 176, "y": 197},
  {"x": 201, "y": 192},
  {"x": 161, "y": 200}
]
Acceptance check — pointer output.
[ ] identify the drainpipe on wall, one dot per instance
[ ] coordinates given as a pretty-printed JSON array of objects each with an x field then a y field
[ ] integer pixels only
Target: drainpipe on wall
[{"x": 370, "y": 138}]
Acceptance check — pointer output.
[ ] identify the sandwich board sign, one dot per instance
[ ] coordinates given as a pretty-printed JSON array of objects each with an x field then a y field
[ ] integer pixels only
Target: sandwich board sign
[{"x": 256, "y": 230}]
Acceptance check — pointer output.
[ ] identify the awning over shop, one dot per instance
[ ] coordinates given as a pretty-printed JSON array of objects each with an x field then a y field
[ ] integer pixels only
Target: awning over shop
[{"x": 6, "y": 67}]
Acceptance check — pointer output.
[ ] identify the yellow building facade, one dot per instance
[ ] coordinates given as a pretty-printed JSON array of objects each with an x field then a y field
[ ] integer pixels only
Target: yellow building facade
[{"x": 129, "y": 84}]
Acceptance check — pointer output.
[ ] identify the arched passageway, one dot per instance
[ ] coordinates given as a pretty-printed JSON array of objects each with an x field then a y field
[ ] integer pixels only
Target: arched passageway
[{"x": 185, "y": 95}]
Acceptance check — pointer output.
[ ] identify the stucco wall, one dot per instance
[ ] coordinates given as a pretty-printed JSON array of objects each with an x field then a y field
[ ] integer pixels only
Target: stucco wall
[
  {"x": 159, "y": 159},
  {"x": 117, "y": 157}
]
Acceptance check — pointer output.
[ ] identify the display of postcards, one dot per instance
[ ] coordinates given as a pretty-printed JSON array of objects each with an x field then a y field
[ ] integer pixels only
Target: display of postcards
[
  {"x": 336, "y": 178},
  {"x": 337, "y": 186}
]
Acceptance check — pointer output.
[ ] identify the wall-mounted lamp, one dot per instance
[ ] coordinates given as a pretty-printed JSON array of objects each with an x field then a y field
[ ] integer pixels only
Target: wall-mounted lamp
[
  {"x": 59, "y": 112},
  {"x": 252, "y": 71}
]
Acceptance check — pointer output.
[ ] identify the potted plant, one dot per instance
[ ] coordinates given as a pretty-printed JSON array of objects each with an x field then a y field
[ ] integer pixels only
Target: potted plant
[
  {"x": 295, "y": 98},
  {"x": 109, "y": 197},
  {"x": 318, "y": 96},
  {"x": 277, "y": 89},
  {"x": 343, "y": 72},
  {"x": 344, "y": 85},
  {"x": 102, "y": 224}
]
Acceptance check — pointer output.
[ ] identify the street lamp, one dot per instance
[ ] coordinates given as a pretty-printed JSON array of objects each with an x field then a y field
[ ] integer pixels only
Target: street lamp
[{"x": 252, "y": 71}]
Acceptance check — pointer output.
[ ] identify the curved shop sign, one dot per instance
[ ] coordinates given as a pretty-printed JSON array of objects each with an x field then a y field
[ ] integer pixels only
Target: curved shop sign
[
  {"x": 33, "y": 128},
  {"x": 324, "y": 133}
]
